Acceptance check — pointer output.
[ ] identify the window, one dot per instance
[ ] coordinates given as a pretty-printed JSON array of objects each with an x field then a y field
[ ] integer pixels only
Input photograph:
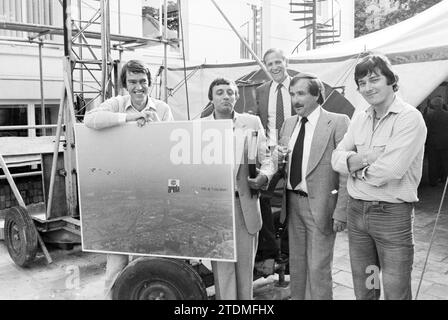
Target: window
[
  {"x": 153, "y": 19},
  {"x": 28, "y": 114},
  {"x": 13, "y": 115},
  {"x": 51, "y": 117},
  {"x": 251, "y": 30},
  {"x": 26, "y": 11}
]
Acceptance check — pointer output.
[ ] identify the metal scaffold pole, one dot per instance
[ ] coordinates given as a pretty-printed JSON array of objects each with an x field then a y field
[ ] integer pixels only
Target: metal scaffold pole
[
  {"x": 106, "y": 66},
  {"x": 244, "y": 42},
  {"x": 165, "y": 50},
  {"x": 69, "y": 117}
]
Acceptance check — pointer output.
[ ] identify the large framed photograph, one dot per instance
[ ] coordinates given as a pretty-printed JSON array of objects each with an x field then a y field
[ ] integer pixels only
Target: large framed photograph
[{"x": 165, "y": 189}]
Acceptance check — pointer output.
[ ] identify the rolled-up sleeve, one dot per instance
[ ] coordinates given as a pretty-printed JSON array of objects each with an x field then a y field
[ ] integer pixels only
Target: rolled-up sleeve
[{"x": 105, "y": 115}]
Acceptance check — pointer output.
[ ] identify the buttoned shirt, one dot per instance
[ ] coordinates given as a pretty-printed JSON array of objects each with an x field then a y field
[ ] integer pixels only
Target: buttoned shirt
[
  {"x": 310, "y": 125},
  {"x": 112, "y": 112},
  {"x": 272, "y": 109},
  {"x": 399, "y": 137}
]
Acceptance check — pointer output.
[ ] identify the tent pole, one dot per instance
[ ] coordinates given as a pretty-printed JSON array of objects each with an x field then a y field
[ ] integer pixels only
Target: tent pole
[{"x": 263, "y": 67}]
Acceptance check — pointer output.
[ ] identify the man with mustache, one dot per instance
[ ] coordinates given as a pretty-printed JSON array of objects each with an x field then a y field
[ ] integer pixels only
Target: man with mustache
[
  {"x": 136, "y": 106},
  {"x": 315, "y": 196}
]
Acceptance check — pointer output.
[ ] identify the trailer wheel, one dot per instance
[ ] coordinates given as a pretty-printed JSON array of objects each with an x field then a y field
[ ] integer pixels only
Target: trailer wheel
[
  {"x": 20, "y": 236},
  {"x": 152, "y": 278}
]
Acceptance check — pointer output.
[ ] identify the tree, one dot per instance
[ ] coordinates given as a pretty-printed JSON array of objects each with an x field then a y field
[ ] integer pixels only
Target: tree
[
  {"x": 360, "y": 18},
  {"x": 406, "y": 9}
]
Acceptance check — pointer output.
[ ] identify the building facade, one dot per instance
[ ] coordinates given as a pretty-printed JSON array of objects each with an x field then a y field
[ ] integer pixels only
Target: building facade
[{"x": 207, "y": 38}]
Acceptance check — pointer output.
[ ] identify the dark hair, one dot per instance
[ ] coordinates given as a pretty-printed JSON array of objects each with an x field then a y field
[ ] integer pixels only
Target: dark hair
[
  {"x": 219, "y": 81},
  {"x": 372, "y": 63},
  {"x": 315, "y": 86},
  {"x": 134, "y": 66},
  {"x": 274, "y": 50}
]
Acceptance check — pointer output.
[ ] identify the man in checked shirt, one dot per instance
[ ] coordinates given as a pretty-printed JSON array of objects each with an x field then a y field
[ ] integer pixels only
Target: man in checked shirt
[{"x": 382, "y": 152}]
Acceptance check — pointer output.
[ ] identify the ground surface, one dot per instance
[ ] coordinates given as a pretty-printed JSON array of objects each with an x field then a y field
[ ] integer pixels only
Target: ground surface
[{"x": 60, "y": 279}]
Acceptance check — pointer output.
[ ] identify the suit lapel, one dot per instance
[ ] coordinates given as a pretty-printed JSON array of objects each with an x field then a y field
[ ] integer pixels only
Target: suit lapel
[
  {"x": 320, "y": 140},
  {"x": 240, "y": 143},
  {"x": 264, "y": 97},
  {"x": 290, "y": 124}
]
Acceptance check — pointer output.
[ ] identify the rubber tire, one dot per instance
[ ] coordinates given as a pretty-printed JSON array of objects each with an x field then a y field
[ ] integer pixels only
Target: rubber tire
[
  {"x": 20, "y": 236},
  {"x": 154, "y": 278}
]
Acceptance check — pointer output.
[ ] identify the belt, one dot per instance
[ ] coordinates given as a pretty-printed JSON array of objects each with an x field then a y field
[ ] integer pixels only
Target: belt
[
  {"x": 374, "y": 203},
  {"x": 300, "y": 193}
]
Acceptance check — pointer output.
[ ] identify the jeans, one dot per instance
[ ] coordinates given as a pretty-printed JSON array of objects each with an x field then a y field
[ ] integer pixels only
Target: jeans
[{"x": 381, "y": 239}]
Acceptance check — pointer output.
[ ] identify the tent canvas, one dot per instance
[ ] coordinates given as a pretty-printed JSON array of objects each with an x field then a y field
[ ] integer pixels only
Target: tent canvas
[{"x": 417, "y": 47}]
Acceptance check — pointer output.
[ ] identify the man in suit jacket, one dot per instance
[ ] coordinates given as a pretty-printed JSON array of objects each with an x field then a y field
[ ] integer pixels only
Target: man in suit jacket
[
  {"x": 234, "y": 280},
  {"x": 315, "y": 199},
  {"x": 273, "y": 105}
]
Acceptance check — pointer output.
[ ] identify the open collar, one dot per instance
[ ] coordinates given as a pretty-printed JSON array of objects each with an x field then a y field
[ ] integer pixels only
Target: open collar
[
  {"x": 396, "y": 106},
  {"x": 149, "y": 105}
]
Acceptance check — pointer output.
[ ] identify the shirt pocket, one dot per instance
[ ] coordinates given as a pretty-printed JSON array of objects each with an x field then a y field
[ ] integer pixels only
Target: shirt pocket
[
  {"x": 360, "y": 144},
  {"x": 379, "y": 144}
]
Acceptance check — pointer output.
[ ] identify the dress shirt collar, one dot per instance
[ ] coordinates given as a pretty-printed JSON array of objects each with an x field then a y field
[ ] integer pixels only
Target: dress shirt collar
[
  {"x": 285, "y": 83},
  {"x": 312, "y": 117},
  {"x": 212, "y": 116},
  {"x": 396, "y": 106},
  {"x": 149, "y": 104}
]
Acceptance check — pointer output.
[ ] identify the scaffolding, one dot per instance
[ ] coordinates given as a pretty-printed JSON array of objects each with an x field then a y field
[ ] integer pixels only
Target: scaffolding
[{"x": 87, "y": 45}]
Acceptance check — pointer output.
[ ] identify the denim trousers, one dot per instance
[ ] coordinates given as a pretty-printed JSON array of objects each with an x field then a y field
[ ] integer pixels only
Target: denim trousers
[{"x": 380, "y": 236}]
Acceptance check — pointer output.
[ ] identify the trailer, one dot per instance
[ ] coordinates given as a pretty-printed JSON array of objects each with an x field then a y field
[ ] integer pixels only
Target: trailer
[{"x": 56, "y": 220}]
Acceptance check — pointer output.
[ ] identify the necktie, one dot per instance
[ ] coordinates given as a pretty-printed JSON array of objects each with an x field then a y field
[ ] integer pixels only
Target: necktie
[
  {"x": 297, "y": 154},
  {"x": 280, "y": 117}
]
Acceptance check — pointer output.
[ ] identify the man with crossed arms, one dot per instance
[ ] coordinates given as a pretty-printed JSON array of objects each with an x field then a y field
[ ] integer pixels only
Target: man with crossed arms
[{"x": 383, "y": 153}]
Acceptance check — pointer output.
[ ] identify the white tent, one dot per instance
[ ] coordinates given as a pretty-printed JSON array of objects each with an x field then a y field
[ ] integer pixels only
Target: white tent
[{"x": 417, "y": 47}]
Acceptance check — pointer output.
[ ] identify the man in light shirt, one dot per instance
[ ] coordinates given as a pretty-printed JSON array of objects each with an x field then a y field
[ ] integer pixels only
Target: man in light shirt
[
  {"x": 383, "y": 154},
  {"x": 315, "y": 199},
  {"x": 137, "y": 106}
]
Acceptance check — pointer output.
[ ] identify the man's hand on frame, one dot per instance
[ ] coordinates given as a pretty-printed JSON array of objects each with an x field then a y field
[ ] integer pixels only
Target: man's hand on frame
[
  {"x": 258, "y": 182},
  {"x": 151, "y": 116}
]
